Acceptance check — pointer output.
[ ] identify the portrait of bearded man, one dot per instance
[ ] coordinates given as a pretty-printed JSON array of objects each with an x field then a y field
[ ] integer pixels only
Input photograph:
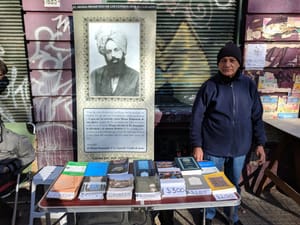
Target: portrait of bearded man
[{"x": 115, "y": 78}]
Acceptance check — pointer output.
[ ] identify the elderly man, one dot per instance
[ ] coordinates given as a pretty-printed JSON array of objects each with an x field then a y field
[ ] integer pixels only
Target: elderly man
[
  {"x": 227, "y": 121},
  {"x": 115, "y": 78}
]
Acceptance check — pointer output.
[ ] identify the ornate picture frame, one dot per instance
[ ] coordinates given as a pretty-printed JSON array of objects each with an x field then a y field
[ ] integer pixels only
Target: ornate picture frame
[{"x": 115, "y": 120}]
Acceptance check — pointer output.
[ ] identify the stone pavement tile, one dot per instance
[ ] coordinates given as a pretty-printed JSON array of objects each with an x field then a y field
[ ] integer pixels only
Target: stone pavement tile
[{"x": 271, "y": 208}]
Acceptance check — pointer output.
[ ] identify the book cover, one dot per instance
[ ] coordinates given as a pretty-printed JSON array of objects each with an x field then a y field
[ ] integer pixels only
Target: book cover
[
  {"x": 118, "y": 166},
  {"x": 208, "y": 166},
  {"x": 147, "y": 188},
  {"x": 165, "y": 166},
  {"x": 75, "y": 168},
  {"x": 120, "y": 187},
  {"x": 67, "y": 185},
  {"x": 143, "y": 167},
  {"x": 196, "y": 185},
  {"x": 120, "y": 182},
  {"x": 171, "y": 177},
  {"x": 96, "y": 169},
  {"x": 188, "y": 165},
  {"x": 219, "y": 183},
  {"x": 93, "y": 187}
]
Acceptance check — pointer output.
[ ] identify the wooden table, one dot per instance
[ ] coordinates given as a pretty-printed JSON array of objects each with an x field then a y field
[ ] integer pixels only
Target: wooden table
[
  {"x": 83, "y": 206},
  {"x": 291, "y": 134}
]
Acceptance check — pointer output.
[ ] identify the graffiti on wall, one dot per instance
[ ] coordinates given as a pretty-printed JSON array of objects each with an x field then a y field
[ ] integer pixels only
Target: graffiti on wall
[
  {"x": 16, "y": 92},
  {"x": 50, "y": 60}
]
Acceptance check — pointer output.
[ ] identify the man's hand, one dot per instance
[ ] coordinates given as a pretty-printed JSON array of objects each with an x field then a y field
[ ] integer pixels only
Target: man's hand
[
  {"x": 198, "y": 153},
  {"x": 260, "y": 152}
]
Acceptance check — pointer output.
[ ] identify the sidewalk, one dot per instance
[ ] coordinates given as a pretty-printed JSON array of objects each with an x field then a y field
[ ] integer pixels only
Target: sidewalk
[{"x": 271, "y": 208}]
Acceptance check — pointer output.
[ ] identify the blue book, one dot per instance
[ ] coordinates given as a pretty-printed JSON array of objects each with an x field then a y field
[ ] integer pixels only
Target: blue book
[
  {"x": 96, "y": 169},
  {"x": 208, "y": 167}
]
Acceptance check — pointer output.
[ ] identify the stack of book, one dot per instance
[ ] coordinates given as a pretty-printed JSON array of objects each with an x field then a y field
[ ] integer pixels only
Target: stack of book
[
  {"x": 162, "y": 166},
  {"x": 120, "y": 187},
  {"x": 172, "y": 183},
  {"x": 120, "y": 181},
  {"x": 143, "y": 168},
  {"x": 67, "y": 185},
  {"x": 196, "y": 185},
  {"x": 221, "y": 187},
  {"x": 208, "y": 166},
  {"x": 95, "y": 181},
  {"x": 118, "y": 166},
  {"x": 147, "y": 186},
  {"x": 188, "y": 165}
]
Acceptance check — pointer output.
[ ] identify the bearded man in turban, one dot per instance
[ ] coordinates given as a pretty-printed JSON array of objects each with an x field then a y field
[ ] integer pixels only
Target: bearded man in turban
[{"x": 115, "y": 78}]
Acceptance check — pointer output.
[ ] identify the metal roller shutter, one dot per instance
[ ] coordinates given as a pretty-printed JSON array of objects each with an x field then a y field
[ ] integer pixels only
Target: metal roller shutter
[
  {"x": 188, "y": 38},
  {"x": 15, "y": 102}
]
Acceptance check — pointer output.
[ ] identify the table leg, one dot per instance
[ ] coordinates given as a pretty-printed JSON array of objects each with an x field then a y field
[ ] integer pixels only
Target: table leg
[
  {"x": 230, "y": 220},
  {"x": 203, "y": 217}
]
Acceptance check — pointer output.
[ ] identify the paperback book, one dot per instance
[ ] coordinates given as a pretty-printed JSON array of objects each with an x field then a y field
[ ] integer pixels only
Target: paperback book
[
  {"x": 67, "y": 185},
  {"x": 93, "y": 187},
  {"x": 219, "y": 183},
  {"x": 166, "y": 166},
  {"x": 188, "y": 165},
  {"x": 196, "y": 185},
  {"x": 118, "y": 166},
  {"x": 143, "y": 167},
  {"x": 120, "y": 187},
  {"x": 208, "y": 166},
  {"x": 147, "y": 188},
  {"x": 96, "y": 169},
  {"x": 172, "y": 184}
]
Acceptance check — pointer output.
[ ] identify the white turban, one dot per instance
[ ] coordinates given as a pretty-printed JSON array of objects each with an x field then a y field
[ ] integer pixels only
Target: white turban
[{"x": 103, "y": 36}]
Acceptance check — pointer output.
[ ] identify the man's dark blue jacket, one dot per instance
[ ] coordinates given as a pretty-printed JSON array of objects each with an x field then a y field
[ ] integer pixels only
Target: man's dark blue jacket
[{"x": 227, "y": 116}]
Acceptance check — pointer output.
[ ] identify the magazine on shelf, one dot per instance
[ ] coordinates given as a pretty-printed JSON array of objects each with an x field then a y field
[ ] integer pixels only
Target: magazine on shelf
[{"x": 188, "y": 165}]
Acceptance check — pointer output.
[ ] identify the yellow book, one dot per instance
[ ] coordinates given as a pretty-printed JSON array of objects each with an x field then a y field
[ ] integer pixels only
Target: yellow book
[{"x": 219, "y": 183}]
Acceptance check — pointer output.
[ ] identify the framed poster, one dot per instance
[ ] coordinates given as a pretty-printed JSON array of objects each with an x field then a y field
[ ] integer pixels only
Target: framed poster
[{"x": 115, "y": 80}]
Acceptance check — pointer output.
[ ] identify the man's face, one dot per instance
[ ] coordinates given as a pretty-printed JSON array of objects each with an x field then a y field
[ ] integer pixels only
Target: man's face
[
  {"x": 113, "y": 53},
  {"x": 228, "y": 66}
]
